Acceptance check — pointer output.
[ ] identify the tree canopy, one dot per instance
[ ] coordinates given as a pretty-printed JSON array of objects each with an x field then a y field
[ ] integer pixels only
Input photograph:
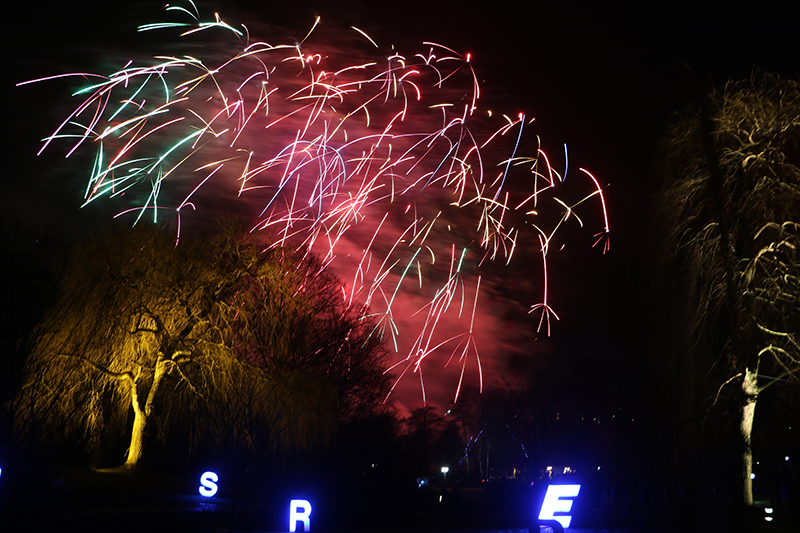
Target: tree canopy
[
  {"x": 729, "y": 209},
  {"x": 240, "y": 346}
]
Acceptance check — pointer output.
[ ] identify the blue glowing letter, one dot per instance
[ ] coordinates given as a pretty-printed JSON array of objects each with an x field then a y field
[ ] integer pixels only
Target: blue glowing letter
[
  {"x": 208, "y": 484},
  {"x": 299, "y": 510},
  {"x": 553, "y": 503}
]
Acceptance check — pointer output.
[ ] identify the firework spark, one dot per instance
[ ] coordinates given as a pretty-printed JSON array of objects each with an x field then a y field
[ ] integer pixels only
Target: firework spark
[{"x": 386, "y": 166}]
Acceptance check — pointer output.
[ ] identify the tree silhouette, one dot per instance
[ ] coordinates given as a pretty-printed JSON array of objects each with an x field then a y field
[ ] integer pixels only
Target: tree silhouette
[
  {"x": 249, "y": 346},
  {"x": 729, "y": 208},
  {"x": 31, "y": 262},
  {"x": 424, "y": 428}
]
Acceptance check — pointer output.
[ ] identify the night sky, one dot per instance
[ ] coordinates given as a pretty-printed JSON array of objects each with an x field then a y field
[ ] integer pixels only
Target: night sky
[{"x": 601, "y": 79}]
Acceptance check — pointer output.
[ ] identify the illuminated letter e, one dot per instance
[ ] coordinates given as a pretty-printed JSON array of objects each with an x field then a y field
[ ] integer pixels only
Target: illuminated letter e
[
  {"x": 299, "y": 510},
  {"x": 553, "y": 503}
]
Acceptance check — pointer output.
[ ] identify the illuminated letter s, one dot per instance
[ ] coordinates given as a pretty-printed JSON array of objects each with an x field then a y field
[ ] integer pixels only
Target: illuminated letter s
[{"x": 208, "y": 484}]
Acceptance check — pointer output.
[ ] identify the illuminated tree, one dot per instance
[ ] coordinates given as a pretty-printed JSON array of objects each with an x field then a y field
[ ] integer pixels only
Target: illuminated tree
[
  {"x": 730, "y": 206},
  {"x": 217, "y": 332}
]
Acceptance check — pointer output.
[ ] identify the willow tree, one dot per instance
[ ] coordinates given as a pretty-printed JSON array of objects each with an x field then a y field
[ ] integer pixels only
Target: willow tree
[
  {"x": 730, "y": 204},
  {"x": 148, "y": 330}
]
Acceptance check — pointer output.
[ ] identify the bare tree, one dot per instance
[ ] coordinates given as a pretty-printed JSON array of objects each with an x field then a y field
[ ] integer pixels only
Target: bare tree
[
  {"x": 729, "y": 208},
  {"x": 222, "y": 329}
]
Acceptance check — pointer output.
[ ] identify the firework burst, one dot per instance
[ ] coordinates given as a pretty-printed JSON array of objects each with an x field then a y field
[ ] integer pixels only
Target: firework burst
[{"x": 384, "y": 165}]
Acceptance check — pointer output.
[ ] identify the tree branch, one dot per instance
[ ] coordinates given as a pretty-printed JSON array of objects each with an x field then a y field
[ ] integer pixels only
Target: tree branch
[
  {"x": 126, "y": 375},
  {"x": 720, "y": 390}
]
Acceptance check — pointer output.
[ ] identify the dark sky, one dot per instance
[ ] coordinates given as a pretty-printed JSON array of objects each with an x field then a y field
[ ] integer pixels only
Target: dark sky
[{"x": 599, "y": 78}]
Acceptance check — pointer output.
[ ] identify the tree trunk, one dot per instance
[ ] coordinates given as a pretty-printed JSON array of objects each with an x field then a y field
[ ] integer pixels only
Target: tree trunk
[
  {"x": 137, "y": 434},
  {"x": 750, "y": 389},
  {"x": 142, "y": 415}
]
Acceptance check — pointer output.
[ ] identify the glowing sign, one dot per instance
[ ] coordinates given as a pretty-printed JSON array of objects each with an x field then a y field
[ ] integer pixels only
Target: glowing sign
[
  {"x": 557, "y": 500},
  {"x": 299, "y": 510},
  {"x": 208, "y": 484}
]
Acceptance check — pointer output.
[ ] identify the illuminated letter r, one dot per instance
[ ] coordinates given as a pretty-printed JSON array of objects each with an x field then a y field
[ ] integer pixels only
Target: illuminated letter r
[{"x": 299, "y": 510}]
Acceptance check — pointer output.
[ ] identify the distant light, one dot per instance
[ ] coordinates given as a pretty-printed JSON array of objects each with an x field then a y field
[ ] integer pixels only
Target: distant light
[
  {"x": 787, "y": 457},
  {"x": 752, "y": 476},
  {"x": 768, "y": 518},
  {"x": 445, "y": 469},
  {"x": 567, "y": 470},
  {"x": 299, "y": 510},
  {"x": 768, "y": 510}
]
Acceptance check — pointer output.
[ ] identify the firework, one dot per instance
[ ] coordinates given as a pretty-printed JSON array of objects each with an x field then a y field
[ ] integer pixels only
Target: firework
[{"x": 386, "y": 166}]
